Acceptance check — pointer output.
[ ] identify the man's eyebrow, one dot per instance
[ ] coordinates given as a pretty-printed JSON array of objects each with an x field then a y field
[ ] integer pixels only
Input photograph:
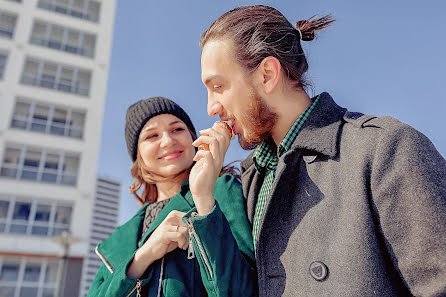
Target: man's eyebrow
[{"x": 210, "y": 78}]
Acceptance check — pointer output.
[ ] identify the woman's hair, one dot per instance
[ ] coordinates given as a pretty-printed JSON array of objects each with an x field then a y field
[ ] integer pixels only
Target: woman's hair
[
  {"x": 149, "y": 179},
  {"x": 261, "y": 31}
]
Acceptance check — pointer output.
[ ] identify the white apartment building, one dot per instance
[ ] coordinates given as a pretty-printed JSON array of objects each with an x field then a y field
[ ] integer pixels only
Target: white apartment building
[
  {"x": 104, "y": 222},
  {"x": 54, "y": 63}
]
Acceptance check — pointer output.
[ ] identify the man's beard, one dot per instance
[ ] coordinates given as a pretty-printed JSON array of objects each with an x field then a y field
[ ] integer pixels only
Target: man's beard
[{"x": 257, "y": 122}]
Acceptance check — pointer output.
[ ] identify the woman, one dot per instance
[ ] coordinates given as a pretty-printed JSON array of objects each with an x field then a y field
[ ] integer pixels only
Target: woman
[{"x": 192, "y": 236}]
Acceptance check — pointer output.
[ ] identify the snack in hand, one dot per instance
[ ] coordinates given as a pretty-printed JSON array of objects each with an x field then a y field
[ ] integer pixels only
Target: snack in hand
[{"x": 224, "y": 124}]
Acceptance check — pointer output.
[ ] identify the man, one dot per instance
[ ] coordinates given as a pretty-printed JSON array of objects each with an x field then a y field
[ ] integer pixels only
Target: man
[{"x": 341, "y": 203}]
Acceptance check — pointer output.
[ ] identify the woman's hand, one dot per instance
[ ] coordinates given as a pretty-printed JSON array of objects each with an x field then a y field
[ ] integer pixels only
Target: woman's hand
[
  {"x": 208, "y": 165},
  {"x": 170, "y": 234}
]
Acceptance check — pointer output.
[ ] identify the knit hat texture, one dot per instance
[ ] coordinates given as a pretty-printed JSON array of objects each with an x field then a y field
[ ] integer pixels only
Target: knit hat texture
[{"x": 140, "y": 112}]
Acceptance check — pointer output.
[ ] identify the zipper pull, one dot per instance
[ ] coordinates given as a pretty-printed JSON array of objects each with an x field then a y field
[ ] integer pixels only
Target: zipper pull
[
  {"x": 138, "y": 288},
  {"x": 190, "y": 249}
]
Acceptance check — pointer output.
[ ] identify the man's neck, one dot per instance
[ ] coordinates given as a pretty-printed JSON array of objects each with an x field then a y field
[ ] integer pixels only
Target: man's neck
[{"x": 288, "y": 105}]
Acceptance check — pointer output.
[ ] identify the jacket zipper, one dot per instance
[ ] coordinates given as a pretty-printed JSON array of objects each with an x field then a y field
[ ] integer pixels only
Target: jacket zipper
[
  {"x": 193, "y": 234},
  {"x": 111, "y": 269},
  {"x": 104, "y": 260},
  {"x": 137, "y": 288}
]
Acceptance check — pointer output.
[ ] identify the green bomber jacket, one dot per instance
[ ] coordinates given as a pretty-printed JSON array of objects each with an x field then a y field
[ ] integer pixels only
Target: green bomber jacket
[{"x": 220, "y": 264}]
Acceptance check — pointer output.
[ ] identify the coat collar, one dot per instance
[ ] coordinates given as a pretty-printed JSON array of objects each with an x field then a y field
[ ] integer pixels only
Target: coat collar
[
  {"x": 320, "y": 132},
  {"x": 114, "y": 253}
]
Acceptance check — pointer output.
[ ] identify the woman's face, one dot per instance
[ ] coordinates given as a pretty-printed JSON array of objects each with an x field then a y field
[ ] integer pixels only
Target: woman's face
[{"x": 165, "y": 145}]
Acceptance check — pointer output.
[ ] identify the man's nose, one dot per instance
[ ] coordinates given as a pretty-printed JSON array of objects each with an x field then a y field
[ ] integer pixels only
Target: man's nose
[{"x": 214, "y": 107}]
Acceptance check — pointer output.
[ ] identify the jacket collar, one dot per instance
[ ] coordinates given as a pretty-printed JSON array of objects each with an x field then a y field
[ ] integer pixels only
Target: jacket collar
[
  {"x": 114, "y": 253},
  {"x": 320, "y": 131}
]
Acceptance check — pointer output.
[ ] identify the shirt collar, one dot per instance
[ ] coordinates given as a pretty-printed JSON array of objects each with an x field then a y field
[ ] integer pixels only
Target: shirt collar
[{"x": 266, "y": 154}]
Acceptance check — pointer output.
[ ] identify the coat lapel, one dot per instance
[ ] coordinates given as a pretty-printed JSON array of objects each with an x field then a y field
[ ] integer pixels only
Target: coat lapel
[
  {"x": 179, "y": 203},
  {"x": 319, "y": 135}
]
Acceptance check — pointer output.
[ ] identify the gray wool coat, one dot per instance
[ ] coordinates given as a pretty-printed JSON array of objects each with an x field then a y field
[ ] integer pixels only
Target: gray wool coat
[{"x": 357, "y": 208}]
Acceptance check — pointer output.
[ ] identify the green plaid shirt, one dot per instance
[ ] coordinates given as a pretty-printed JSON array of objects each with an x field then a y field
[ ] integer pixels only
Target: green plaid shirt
[{"x": 267, "y": 156}]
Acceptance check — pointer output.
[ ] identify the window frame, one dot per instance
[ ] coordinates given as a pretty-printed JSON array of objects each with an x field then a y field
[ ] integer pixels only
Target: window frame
[
  {"x": 19, "y": 167},
  {"x": 53, "y": 81},
  {"x": 63, "y": 45},
  {"x": 70, "y": 9},
  {"x": 8, "y": 32},
  {"x": 3, "y": 62},
  {"x": 20, "y": 282},
  {"x": 69, "y": 127},
  {"x": 53, "y": 228}
]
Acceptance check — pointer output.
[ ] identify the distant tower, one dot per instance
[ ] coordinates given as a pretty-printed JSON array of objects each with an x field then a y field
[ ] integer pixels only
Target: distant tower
[
  {"x": 104, "y": 221},
  {"x": 54, "y": 64}
]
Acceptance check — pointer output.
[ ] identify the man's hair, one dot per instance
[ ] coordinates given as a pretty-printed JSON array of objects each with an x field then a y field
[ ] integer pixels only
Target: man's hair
[{"x": 261, "y": 31}]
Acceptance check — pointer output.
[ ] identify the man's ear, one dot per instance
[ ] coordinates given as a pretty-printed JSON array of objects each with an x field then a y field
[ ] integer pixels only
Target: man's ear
[{"x": 269, "y": 72}]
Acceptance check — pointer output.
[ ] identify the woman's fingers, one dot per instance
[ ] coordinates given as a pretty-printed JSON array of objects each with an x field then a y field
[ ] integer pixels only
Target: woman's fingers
[
  {"x": 217, "y": 132},
  {"x": 175, "y": 218},
  {"x": 180, "y": 235},
  {"x": 176, "y": 230}
]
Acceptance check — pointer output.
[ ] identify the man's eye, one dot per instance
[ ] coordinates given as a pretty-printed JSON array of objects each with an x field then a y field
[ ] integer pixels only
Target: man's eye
[{"x": 216, "y": 88}]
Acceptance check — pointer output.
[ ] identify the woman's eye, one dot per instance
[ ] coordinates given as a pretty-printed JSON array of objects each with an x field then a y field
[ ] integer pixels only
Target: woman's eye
[
  {"x": 178, "y": 129},
  {"x": 151, "y": 136},
  {"x": 216, "y": 88}
]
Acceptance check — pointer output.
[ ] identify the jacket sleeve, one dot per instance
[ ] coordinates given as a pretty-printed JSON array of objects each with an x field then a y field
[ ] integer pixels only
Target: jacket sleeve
[
  {"x": 408, "y": 188},
  {"x": 117, "y": 283},
  {"x": 222, "y": 243}
]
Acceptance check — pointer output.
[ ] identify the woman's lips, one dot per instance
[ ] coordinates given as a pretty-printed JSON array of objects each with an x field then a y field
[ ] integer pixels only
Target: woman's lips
[{"x": 171, "y": 155}]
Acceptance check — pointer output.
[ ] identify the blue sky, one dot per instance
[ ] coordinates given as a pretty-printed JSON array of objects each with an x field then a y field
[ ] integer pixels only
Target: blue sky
[{"x": 380, "y": 57}]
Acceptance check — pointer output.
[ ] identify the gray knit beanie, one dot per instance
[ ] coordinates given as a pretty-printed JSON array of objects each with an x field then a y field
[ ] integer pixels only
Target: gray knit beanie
[{"x": 140, "y": 112}]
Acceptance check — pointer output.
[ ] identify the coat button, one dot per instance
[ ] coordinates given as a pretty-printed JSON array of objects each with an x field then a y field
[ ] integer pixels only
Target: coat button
[
  {"x": 309, "y": 159},
  {"x": 318, "y": 270}
]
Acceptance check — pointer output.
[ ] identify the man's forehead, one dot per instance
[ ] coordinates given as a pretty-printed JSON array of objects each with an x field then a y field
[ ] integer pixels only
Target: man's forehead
[
  {"x": 216, "y": 46},
  {"x": 216, "y": 54}
]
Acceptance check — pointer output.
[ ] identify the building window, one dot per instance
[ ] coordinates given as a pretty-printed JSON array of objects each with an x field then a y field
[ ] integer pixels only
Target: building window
[
  {"x": 48, "y": 118},
  {"x": 7, "y": 24},
  {"x": 84, "y": 9},
  {"x": 3, "y": 58},
  {"x": 55, "y": 76},
  {"x": 27, "y": 276},
  {"x": 41, "y": 165},
  {"x": 62, "y": 38},
  {"x": 34, "y": 217}
]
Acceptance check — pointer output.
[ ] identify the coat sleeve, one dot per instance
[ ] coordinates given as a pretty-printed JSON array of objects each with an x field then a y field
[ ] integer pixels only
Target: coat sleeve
[
  {"x": 223, "y": 243},
  {"x": 408, "y": 188},
  {"x": 116, "y": 284}
]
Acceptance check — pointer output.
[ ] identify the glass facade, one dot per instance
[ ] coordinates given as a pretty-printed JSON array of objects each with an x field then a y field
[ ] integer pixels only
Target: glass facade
[
  {"x": 62, "y": 38},
  {"x": 39, "y": 164},
  {"x": 55, "y": 76},
  {"x": 7, "y": 24},
  {"x": 27, "y": 277},
  {"x": 83, "y": 9},
  {"x": 34, "y": 217},
  {"x": 48, "y": 118}
]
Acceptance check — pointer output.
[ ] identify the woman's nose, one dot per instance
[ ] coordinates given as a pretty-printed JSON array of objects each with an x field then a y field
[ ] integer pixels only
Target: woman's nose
[{"x": 167, "y": 139}]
